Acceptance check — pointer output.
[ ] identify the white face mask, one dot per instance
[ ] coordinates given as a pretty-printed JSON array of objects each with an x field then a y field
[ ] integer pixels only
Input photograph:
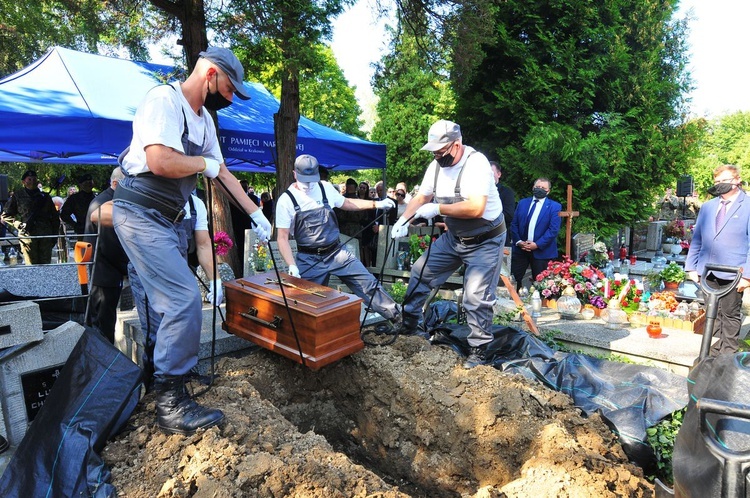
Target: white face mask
[{"x": 304, "y": 186}]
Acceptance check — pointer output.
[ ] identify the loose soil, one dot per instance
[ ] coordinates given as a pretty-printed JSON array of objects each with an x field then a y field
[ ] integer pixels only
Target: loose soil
[{"x": 404, "y": 420}]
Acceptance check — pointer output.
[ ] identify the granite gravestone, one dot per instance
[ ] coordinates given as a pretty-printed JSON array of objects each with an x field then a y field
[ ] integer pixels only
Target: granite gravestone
[
  {"x": 582, "y": 244},
  {"x": 27, "y": 376},
  {"x": 20, "y": 323}
]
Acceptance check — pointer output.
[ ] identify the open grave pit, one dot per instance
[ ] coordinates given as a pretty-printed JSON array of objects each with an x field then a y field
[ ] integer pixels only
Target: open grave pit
[{"x": 403, "y": 420}]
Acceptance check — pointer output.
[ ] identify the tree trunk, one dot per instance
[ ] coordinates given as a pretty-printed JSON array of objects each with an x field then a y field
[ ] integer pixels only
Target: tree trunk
[
  {"x": 194, "y": 38},
  {"x": 286, "y": 124}
]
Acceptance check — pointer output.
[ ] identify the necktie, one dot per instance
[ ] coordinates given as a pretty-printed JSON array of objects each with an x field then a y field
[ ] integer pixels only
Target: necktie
[
  {"x": 528, "y": 219},
  {"x": 720, "y": 216}
]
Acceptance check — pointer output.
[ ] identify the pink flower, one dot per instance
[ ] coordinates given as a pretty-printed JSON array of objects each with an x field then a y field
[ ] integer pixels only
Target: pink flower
[{"x": 223, "y": 243}]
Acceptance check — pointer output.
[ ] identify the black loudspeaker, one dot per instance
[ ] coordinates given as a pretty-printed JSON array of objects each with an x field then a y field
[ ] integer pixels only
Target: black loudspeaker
[
  {"x": 3, "y": 188},
  {"x": 685, "y": 186}
]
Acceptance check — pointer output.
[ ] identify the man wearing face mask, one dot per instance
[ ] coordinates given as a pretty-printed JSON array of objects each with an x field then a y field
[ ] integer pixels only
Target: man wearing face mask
[
  {"x": 305, "y": 210},
  {"x": 174, "y": 139},
  {"x": 534, "y": 229},
  {"x": 459, "y": 186},
  {"x": 722, "y": 237}
]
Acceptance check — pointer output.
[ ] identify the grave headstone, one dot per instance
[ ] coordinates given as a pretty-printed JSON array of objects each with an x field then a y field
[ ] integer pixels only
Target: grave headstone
[
  {"x": 41, "y": 280},
  {"x": 20, "y": 323},
  {"x": 352, "y": 246},
  {"x": 640, "y": 237},
  {"x": 129, "y": 338},
  {"x": 654, "y": 235},
  {"x": 582, "y": 243},
  {"x": 389, "y": 250},
  {"x": 27, "y": 376}
]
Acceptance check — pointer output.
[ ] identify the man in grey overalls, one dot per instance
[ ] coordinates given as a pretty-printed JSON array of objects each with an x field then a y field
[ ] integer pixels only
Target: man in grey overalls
[
  {"x": 174, "y": 138},
  {"x": 305, "y": 210},
  {"x": 192, "y": 236},
  {"x": 461, "y": 183}
]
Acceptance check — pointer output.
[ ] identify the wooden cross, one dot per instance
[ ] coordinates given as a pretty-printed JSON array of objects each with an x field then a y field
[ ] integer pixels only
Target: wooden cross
[{"x": 569, "y": 214}]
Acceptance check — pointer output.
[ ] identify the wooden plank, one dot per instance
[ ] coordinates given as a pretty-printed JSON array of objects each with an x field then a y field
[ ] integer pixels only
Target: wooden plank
[{"x": 516, "y": 299}]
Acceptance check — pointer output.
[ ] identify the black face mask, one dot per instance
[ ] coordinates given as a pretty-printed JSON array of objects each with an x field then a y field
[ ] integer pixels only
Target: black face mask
[
  {"x": 215, "y": 101},
  {"x": 539, "y": 193},
  {"x": 720, "y": 189},
  {"x": 445, "y": 161}
]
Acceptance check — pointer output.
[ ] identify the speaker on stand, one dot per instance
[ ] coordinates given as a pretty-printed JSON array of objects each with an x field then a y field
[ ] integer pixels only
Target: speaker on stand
[{"x": 685, "y": 188}]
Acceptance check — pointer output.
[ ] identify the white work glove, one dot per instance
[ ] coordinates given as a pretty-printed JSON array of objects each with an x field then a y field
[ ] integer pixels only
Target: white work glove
[
  {"x": 386, "y": 204},
  {"x": 215, "y": 292},
  {"x": 262, "y": 227},
  {"x": 400, "y": 229},
  {"x": 212, "y": 167},
  {"x": 428, "y": 211},
  {"x": 293, "y": 271}
]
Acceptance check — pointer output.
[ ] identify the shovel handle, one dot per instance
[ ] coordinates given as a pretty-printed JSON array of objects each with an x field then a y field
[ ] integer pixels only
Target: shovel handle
[
  {"x": 83, "y": 253},
  {"x": 734, "y": 461}
]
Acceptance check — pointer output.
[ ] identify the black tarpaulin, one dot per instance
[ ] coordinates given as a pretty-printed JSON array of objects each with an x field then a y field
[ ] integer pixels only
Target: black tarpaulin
[
  {"x": 698, "y": 469},
  {"x": 91, "y": 401}
]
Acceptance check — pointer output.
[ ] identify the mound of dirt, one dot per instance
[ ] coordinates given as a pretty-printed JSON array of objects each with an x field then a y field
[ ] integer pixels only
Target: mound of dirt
[{"x": 397, "y": 421}]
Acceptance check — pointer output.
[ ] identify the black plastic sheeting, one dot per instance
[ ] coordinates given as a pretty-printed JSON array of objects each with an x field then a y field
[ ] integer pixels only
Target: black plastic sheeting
[
  {"x": 698, "y": 472},
  {"x": 630, "y": 398},
  {"x": 91, "y": 401}
]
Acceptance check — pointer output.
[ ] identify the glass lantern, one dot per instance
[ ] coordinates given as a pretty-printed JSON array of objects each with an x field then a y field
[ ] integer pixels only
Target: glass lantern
[
  {"x": 568, "y": 305},
  {"x": 613, "y": 316},
  {"x": 659, "y": 261},
  {"x": 588, "y": 312}
]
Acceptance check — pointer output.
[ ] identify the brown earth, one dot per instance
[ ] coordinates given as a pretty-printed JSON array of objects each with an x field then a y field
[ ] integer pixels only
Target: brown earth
[{"x": 396, "y": 421}]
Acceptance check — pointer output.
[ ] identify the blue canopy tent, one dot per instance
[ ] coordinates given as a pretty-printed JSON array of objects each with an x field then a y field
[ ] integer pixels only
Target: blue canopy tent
[{"x": 74, "y": 107}]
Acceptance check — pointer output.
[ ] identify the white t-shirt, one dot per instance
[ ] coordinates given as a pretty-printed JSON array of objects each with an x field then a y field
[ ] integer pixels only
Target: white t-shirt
[
  {"x": 306, "y": 200},
  {"x": 201, "y": 215},
  {"x": 159, "y": 120},
  {"x": 477, "y": 180}
]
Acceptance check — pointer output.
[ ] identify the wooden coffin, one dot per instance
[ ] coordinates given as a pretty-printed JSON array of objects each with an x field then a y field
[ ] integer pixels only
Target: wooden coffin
[{"x": 326, "y": 320}]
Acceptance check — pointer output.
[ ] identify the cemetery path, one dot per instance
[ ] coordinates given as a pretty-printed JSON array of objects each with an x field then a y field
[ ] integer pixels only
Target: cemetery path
[{"x": 398, "y": 421}]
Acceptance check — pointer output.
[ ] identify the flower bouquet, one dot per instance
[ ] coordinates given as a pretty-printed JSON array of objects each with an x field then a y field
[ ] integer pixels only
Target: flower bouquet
[
  {"x": 675, "y": 229},
  {"x": 222, "y": 243},
  {"x": 598, "y": 256},
  {"x": 672, "y": 273},
  {"x": 418, "y": 244},
  {"x": 259, "y": 259},
  {"x": 629, "y": 295},
  {"x": 585, "y": 279}
]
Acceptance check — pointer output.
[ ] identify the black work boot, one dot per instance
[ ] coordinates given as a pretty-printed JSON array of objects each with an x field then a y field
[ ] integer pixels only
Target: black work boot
[
  {"x": 176, "y": 412},
  {"x": 477, "y": 356},
  {"x": 410, "y": 326}
]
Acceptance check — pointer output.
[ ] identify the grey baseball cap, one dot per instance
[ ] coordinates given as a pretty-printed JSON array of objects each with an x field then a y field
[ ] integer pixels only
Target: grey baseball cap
[
  {"x": 441, "y": 134},
  {"x": 306, "y": 167},
  {"x": 230, "y": 64}
]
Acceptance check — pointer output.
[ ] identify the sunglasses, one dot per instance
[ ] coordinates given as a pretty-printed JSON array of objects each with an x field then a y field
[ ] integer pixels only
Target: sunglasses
[{"x": 399, "y": 194}]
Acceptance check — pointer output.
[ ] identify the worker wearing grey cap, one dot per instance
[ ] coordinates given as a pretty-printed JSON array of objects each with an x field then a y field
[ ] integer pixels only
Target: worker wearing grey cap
[
  {"x": 460, "y": 187},
  {"x": 305, "y": 210},
  {"x": 174, "y": 139}
]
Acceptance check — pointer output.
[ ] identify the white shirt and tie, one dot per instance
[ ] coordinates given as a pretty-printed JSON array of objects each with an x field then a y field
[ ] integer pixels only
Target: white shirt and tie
[{"x": 534, "y": 210}]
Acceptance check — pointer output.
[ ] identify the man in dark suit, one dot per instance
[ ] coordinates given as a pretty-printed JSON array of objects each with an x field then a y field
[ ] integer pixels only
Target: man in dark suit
[
  {"x": 110, "y": 262},
  {"x": 534, "y": 229},
  {"x": 507, "y": 197},
  {"x": 73, "y": 212},
  {"x": 722, "y": 237}
]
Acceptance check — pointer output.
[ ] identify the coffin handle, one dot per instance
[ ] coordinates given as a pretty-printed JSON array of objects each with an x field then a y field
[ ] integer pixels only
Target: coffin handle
[{"x": 252, "y": 314}]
